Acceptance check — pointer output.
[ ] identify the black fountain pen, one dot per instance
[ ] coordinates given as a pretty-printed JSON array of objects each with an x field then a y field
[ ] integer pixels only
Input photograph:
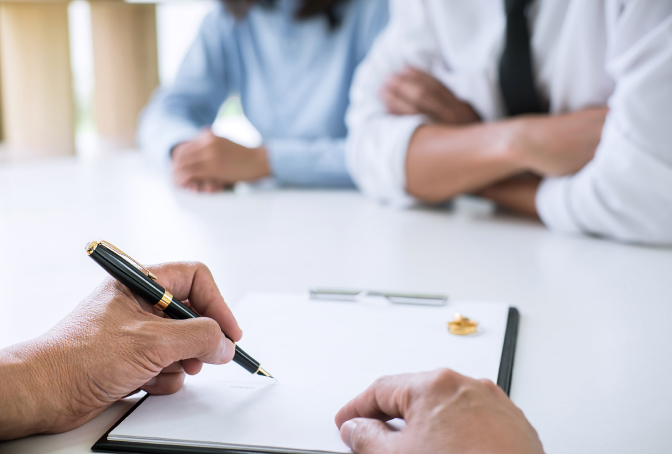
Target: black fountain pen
[{"x": 141, "y": 281}]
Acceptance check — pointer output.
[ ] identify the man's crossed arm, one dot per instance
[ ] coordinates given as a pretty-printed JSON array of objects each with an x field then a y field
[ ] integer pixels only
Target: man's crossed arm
[{"x": 501, "y": 160}]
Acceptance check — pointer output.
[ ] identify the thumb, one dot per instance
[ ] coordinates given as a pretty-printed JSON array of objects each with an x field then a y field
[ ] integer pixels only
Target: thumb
[
  {"x": 368, "y": 436},
  {"x": 200, "y": 338}
]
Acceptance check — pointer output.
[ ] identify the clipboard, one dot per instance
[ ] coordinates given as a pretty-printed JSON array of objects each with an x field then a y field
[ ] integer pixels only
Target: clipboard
[{"x": 506, "y": 334}]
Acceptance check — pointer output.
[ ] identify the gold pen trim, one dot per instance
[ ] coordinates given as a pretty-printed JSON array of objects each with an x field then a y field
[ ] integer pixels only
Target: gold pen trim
[
  {"x": 94, "y": 244},
  {"x": 165, "y": 300},
  {"x": 91, "y": 246},
  {"x": 262, "y": 371}
]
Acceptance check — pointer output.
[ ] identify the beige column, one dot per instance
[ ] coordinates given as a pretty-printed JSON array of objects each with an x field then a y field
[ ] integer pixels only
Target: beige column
[
  {"x": 37, "y": 100},
  {"x": 125, "y": 66}
]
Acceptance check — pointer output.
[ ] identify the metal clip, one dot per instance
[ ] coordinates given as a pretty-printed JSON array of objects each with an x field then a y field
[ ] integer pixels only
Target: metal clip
[
  {"x": 339, "y": 294},
  {"x": 112, "y": 247}
]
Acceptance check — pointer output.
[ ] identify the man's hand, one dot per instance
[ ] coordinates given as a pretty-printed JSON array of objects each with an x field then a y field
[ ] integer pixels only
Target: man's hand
[
  {"x": 549, "y": 146},
  {"x": 556, "y": 145},
  {"x": 444, "y": 412},
  {"x": 517, "y": 193},
  {"x": 209, "y": 163},
  {"x": 413, "y": 92},
  {"x": 109, "y": 347}
]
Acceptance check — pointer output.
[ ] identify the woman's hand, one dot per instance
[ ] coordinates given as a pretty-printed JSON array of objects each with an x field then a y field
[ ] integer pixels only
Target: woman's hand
[
  {"x": 112, "y": 345},
  {"x": 210, "y": 163}
]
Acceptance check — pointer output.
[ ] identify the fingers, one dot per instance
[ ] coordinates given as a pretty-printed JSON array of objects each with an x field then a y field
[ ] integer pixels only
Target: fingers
[
  {"x": 426, "y": 80},
  {"x": 192, "y": 366},
  {"x": 165, "y": 383},
  {"x": 199, "y": 338},
  {"x": 393, "y": 396},
  {"x": 195, "y": 184},
  {"x": 212, "y": 186},
  {"x": 173, "y": 368},
  {"x": 368, "y": 436},
  {"x": 193, "y": 163},
  {"x": 187, "y": 175},
  {"x": 386, "y": 399},
  {"x": 193, "y": 281},
  {"x": 171, "y": 378},
  {"x": 421, "y": 91},
  {"x": 397, "y": 105},
  {"x": 415, "y": 92}
]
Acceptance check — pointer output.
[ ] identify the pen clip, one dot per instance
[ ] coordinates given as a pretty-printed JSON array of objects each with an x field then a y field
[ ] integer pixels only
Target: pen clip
[{"x": 112, "y": 247}]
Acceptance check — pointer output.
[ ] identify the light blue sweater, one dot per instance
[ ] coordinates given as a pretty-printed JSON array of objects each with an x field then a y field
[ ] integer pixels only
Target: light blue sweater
[{"x": 293, "y": 78}]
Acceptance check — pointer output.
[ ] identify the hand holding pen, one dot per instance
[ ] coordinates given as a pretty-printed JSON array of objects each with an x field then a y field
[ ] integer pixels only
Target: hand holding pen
[
  {"x": 144, "y": 283},
  {"x": 112, "y": 345}
]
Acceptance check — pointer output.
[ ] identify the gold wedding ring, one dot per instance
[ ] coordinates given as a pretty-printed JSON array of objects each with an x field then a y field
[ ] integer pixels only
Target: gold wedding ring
[{"x": 462, "y": 326}]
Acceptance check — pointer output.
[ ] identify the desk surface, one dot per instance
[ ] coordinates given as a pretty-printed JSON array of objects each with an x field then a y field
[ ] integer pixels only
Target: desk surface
[{"x": 593, "y": 361}]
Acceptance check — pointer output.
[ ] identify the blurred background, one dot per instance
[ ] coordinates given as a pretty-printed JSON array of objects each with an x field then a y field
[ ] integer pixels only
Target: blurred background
[{"x": 74, "y": 76}]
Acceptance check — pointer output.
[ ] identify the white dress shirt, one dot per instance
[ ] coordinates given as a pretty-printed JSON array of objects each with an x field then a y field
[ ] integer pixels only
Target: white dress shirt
[{"x": 585, "y": 52}]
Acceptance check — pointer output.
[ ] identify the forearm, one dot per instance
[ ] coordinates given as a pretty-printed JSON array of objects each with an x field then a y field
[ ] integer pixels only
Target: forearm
[
  {"x": 20, "y": 374},
  {"x": 177, "y": 113},
  {"x": 318, "y": 162},
  {"x": 444, "y": 161},
  {"x": 161, "y": 128}
]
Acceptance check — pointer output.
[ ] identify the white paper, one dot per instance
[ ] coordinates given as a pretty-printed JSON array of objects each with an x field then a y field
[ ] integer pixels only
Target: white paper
[{"x": 323, "y": 353}]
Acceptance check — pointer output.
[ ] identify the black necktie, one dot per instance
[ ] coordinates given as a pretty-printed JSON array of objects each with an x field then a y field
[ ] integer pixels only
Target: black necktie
[{"x": 515, "y": 68}]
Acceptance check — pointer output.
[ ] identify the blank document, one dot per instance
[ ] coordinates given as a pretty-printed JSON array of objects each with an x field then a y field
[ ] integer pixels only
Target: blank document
[{"x": 322, "y": 353}]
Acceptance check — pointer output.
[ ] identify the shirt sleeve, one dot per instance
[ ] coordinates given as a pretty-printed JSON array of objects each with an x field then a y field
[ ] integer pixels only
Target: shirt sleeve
[
  {"x": 625, "y": 192},
  {"x": 313, "y": 162},
  {"x": 176, "y": 114},
  {"x": 377, "y": 141},
  {"x": 319, "y": 162}
]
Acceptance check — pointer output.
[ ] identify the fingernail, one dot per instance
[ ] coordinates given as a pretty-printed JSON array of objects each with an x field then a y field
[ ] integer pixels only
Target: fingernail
[
  {"x": 347, "y": 429},
  {"x": 227, "y": 351},
  {"x": 151, "y": 382}
]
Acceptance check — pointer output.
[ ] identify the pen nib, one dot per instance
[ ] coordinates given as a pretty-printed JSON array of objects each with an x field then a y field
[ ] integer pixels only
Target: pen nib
[{"x": 263, "y": 373}]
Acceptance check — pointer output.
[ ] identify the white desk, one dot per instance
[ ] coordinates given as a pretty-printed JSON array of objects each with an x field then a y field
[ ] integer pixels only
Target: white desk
[{"x": 593, "y": 363}]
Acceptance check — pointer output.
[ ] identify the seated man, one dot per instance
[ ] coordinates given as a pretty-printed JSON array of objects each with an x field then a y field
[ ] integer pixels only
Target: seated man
[
  {"x": 114, "y": 344},
  {"x": 291, "y": 62},
  {"x": 551, "y": 66}
]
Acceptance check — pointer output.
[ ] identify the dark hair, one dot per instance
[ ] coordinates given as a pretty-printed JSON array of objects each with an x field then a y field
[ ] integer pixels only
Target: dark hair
[{"x": 306, "y": 10}]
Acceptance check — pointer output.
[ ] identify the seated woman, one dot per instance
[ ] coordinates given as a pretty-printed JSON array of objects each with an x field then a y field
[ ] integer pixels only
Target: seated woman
[{"x": 291, "y": 62}]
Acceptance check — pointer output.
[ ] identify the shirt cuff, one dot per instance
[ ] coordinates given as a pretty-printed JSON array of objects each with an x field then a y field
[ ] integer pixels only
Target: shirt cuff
[
  {"x": 403, "y": 132},
  {"x": 319, "y": 162},
  {"x": 378, "y": 160},
  {"x": 159, "y": 144},
  {"x": 553, "y": 205}
]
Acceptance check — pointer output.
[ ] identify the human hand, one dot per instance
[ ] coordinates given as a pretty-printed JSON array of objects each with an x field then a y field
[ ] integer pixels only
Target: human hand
[
  {"x": 556, "y": 145},
  {"x": 517, "y": 193},
  {"x": 444, "y": 412},
  {"x": 413, "y": 92},
  {"x": 113, "y": 344},
  {"x": 209, "y": 163}
]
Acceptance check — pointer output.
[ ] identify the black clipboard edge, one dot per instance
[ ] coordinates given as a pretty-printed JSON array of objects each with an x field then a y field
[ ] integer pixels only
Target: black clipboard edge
[
  {"x": 508, "y": 351},
  {"x": 104, "y": 445}
]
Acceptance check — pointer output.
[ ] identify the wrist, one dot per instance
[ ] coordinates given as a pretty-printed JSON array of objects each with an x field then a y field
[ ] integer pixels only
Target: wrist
[
  {"x": 31, "y": 392},
  {"x": 511, "y": 139},
  {"x": 20, "y": 414},
  {"x": 261, "y": 164},
  {"x": 175, "y": 149}
]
